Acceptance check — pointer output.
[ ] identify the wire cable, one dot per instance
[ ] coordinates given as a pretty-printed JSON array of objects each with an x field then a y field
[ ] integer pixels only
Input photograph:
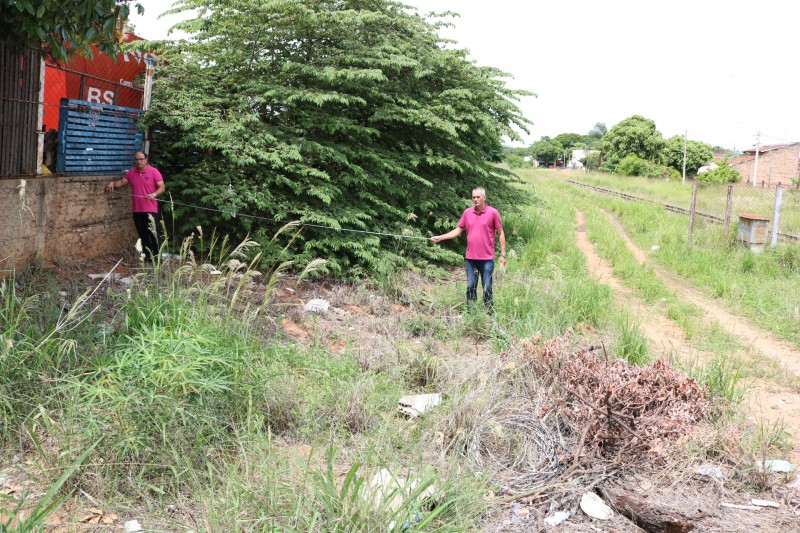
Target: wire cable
[{"x": 257, "y": 217}]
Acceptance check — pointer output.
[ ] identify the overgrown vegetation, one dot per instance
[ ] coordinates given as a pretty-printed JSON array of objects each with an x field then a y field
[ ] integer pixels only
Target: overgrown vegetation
[
  {"x": 185, "y": 391},
  {"x": 343, "y": 115},
  {"x": 722, "y": 174},
  {"x": 62, "y": 30}
]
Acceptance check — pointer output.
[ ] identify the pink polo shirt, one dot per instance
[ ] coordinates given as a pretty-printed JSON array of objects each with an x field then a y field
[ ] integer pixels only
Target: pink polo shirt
[
  {"x": 142, "y": 184},
  {"x": 481, "y": 228}
]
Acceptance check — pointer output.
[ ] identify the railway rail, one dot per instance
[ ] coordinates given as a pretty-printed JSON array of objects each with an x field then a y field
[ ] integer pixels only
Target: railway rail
[{"x": 669, "y": 207}]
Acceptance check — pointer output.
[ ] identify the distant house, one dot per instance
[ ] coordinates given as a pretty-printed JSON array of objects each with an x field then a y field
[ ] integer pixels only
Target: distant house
[
  {"x": 778, "y": 163},
  {"x": 577, "y": 158},
  {"x": 719, "y": 155}
]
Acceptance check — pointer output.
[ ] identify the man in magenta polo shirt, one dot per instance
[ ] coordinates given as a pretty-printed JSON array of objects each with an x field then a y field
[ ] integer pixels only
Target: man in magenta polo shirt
[
  {"x": 482, "y": 223},
  {"x": 146, "y": 185}
]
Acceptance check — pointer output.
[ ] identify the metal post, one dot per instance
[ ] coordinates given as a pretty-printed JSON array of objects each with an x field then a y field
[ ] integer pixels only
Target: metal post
[
  {"x": 40, "y": 118},
  {"x": 692, "y": 210},
  {"x": 776, "y": 215},
  {"x": 728, "y": 208},
  {"x": 148, "y": 94}
]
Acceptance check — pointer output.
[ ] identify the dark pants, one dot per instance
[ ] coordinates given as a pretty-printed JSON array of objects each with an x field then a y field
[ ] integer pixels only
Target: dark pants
[
  {"x": 147, "y": 226},
  {"x": 482, "y": 268}
]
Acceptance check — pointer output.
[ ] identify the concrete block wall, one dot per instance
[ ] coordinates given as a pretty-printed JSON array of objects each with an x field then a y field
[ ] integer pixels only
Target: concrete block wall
[
  {"x": 52, "y": 219},
  {"x": 780, "y": 165}
]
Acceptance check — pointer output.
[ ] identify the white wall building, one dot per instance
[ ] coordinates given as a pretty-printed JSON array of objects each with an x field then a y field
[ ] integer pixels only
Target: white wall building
[{"x": 577, "y": 156}]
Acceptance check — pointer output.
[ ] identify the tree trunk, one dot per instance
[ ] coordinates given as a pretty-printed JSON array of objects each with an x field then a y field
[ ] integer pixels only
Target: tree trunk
[{"x": 650, "y": 516}]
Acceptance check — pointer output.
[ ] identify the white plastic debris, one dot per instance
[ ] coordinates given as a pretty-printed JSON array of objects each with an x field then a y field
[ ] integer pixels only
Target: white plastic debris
[
  {"x": 415, "y": 404},
  {"x": 594, "y": 506},
  {"x": 765, "y": 503},
  {"x": 98, "y": 277},
  {"x": 317, "y": 305},
  {"x": 215, "y": 272},
  {"x": 775, "y": 465},
  {"x": 741, "y": 507},
  {"x": 655, "y": 247},
  {"x": 133, "y": 526},
  {"x": 557, "y": 518},
  {"x": 388, "y": 492},
  {"x": 711, "y": 471}
]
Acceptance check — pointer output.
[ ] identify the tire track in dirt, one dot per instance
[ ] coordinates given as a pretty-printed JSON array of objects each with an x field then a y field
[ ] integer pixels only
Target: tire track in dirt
[
  {"x": 754, "y": 338},
  {"x": 766, "y": 401},
  {"x": 663, "y": 333}
]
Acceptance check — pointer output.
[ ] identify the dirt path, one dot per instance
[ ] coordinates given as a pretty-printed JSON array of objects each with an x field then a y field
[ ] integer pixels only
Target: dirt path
[
  {"x": 766, "y": 401},
  {"x": 754, "y": 338},
  {"x": 664, "y": 334}
]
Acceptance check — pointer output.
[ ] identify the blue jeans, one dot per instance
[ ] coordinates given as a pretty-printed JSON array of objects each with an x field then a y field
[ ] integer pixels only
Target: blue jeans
[{"x": 483, "y": 268}]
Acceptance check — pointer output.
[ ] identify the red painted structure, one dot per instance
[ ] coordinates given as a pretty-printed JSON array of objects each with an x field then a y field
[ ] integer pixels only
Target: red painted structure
[{"x": 100, "y": 79}]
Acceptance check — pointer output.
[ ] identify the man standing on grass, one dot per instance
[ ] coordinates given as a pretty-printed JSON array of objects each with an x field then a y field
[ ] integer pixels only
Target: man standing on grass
[
  {"x": 481, "y": 223},
  {"x": 146, "y": 185}
]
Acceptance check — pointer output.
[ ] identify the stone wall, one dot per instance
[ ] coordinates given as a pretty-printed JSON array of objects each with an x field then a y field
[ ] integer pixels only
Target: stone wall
[{"x": 62, "y": 219}]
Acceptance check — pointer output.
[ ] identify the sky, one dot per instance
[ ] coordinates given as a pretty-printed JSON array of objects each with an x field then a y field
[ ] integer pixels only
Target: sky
[{"x": 721, "y": 71}]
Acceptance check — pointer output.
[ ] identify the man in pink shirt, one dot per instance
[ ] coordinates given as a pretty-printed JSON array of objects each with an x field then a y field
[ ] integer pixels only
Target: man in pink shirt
[
  {"x": 146, "y": 186},
  {"x": 481, "y": 223}
]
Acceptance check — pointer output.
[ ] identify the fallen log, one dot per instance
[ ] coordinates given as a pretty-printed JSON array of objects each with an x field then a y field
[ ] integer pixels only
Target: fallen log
[{"x": 651, "y": 517}]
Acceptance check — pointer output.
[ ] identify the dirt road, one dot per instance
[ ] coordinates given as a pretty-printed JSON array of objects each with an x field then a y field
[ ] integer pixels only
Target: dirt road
[{"x": 766, "y": 401}]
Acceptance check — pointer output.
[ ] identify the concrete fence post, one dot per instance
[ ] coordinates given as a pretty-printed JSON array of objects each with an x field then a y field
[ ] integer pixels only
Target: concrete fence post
[
  {"x": 777, "y": 214},
  {"x": 728, "y": 208},
  {"x": 692, "y": 210}
]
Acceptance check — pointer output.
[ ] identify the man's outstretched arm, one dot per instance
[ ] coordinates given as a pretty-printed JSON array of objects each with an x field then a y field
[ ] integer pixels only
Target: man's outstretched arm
[{"x": 449, "y": 235}]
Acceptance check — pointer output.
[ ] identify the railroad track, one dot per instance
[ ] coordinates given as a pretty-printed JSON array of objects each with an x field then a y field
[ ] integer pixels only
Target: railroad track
[{"x": 669, "y": 207}]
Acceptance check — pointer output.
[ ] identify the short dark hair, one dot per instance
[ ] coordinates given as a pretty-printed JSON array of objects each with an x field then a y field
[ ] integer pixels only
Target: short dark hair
[{"x": 137, "y": 152}]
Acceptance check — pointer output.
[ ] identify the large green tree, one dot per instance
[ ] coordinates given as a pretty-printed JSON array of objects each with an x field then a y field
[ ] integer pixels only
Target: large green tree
[
  {"x": 547, "y": 150},
  {"x": 595, "y": 136},
  {"x": 340, "y": 113},
  {"x": 63, "y": 28},
  {"x": 697, "y": 154},
  {"x": 572, "y": 141},
  {"x": 636, "y": 135}
]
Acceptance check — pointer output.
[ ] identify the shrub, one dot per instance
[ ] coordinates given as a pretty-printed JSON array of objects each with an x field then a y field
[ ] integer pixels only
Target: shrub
[
  {"x": 516, "y": 161},
  {"x": 721, "y": 174},
  {"x": 633, "y": 165}
]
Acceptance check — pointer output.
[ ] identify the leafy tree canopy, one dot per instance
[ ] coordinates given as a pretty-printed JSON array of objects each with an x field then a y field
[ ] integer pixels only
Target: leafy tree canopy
[
  {"x": 571, "y": 141},
  {"x": 598, "y": 131},
  {"x": 636, "y": 135},
  {"x": 595, "y": 136},
  {"x": 547, "y": 150},
  {"x": 591, "y": 161},
  {"x": 697, "y": 154},
  {"x": 339, "y": 113},
  {"x": 63, "y": 28}
]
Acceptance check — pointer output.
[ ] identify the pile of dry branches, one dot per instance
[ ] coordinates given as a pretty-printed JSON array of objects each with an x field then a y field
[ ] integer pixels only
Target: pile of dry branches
[{"x": 622, "y": 411}]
